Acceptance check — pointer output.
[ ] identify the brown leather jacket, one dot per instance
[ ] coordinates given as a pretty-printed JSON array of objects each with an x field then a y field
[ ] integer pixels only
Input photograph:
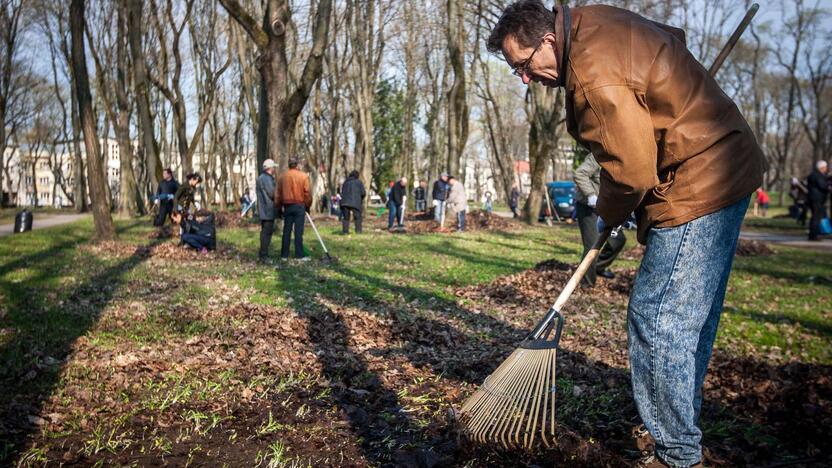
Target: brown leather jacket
[
  {"x": 292, "y": 188},
  {"x": 672, "y": 145}
]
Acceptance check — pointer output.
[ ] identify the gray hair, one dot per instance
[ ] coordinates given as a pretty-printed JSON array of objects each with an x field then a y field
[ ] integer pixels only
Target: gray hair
[{"x": 820, "y": 164}]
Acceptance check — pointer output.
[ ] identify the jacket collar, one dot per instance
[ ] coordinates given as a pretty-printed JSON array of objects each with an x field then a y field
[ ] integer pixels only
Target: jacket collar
[{"x": 563, "y": 40}]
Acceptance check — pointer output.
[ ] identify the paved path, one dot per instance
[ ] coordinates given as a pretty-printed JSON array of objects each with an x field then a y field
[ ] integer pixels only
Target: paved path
[
  {"x": 42, "y": 221},
  {"x": 785, "y": 239}
]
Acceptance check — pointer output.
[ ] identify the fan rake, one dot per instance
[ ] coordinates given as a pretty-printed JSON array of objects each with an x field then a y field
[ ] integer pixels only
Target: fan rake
[{"x": 515, "y": 406}]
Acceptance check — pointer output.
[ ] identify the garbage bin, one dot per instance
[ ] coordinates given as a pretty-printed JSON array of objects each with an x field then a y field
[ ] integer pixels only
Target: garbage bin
[{"x": 23, "y": 221}]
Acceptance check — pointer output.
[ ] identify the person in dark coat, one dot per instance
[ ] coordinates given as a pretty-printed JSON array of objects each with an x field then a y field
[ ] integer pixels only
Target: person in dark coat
[
  {"x": 419, "y": 195},
  {"x": 439, "y": 195},
  {"x": 352, "y": 201},
  {"x": 185, "y": 198},
  {"x": 201, "y": 232},
  {"x": 818, "y": 188},
  {"x": 398, "y": 196},
  {"x": 514, "y": 200},
  {"x": 164, "y": 196},
  {"x": 265, "y": 207}
]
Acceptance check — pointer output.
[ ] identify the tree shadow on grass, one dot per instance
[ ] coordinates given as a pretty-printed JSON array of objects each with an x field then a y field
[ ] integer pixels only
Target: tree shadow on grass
[
  {"x": 31, "y": 361},
  {"x": 595, "y": 407}
]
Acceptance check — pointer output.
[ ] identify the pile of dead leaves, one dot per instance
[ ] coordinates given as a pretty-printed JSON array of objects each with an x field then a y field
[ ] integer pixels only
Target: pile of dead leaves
[
  {"x": 163, "y": 250},
  {"x": 483, "y": 220},
  {"x": 752, "y": 248},
  {"x": 164, "y": 232},
  {"x": 540, "y": 286},
  {"x": 231, "y": 219}
]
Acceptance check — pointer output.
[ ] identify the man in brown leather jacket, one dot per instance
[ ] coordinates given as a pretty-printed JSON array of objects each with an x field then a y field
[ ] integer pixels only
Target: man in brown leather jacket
[
  {"x": 675, "y": 149},
  {"x": 292, "y": 198}
]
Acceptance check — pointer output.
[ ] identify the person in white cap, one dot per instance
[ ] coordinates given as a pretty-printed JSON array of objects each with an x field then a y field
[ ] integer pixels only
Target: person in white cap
[{"x": 265, "y": 207}]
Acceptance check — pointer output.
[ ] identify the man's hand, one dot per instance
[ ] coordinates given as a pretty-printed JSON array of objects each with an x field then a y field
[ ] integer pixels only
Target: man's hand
[
  {"x": 600, "y": 225},
  {"x": 156, "y": 201},
  {"x": 592, "y": 200}
]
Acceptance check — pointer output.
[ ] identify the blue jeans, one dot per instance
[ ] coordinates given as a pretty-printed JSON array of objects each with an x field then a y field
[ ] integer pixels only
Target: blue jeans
[
  {"x": 672, "y": 320},
  {"x": 438, "y": 210},
  {"x": 460, "y": 220},
  {"x": 395, "y": 215}
]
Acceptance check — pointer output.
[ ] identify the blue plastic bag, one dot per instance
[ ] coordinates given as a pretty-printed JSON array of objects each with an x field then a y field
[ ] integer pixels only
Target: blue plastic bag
[{"x": 825, "y": 227}]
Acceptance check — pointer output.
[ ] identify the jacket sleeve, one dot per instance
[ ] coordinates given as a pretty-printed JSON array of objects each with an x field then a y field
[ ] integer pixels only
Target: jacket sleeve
[
  {"x": 307, "y": 192},
  {"x": 278, "y": 203},
  {"x": 363, "y": 191},
  {"x": 617, "y": 126},
  {"x": 583, "y": 177}
]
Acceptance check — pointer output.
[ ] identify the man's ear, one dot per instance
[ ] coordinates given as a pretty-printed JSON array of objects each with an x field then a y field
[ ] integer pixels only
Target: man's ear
[{"x": 550, "y": 38}]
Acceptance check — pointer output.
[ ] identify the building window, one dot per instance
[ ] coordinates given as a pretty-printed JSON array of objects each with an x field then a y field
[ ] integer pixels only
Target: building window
[{"x": 43, "y": 181}]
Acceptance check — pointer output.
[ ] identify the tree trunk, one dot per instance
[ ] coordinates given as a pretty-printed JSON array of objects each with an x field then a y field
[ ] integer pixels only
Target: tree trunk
[
  {"x": 104, "y": 228},
  {"x": 129, "y": 194},
  {"x": 285, "y": 101},
  {"x": 457, "y": 121},
  {"x": 140, "y": 84},
  {"x": 544, "y": 108}
]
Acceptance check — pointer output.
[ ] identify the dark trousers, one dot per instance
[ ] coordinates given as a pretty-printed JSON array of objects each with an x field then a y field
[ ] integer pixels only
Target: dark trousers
[
  {"x": 587, "y": 220},
  {"x": 460, "y": 220},
  {"x": 345, "y": 219},
  {"x": 514, "y": 211},
  {"x": 196, "y": 241},
  {"x": 293, "y": 219},
  {"x": 818, "y": 212},
  {"x": 165, "y": 209},
  {"x": 266, "y": 231}
]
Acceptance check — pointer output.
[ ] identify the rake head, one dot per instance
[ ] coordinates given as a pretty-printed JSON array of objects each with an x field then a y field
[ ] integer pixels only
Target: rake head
[{"x": 515, "y": 406}]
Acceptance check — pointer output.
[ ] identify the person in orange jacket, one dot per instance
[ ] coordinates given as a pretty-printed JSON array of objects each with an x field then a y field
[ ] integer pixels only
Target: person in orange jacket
[{"x": 292, "y": 199}]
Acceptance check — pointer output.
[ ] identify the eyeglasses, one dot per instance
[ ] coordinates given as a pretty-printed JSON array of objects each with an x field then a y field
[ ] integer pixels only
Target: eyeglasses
[{"x": 523, "y": 68}]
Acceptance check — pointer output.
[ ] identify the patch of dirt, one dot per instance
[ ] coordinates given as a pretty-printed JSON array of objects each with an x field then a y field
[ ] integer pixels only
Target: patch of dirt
[{"x": 752, "y": 248}]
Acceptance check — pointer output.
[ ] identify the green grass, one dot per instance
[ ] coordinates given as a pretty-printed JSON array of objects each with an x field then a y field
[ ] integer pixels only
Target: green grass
[
  {"x": 7, "y": 214},
  {"x": 54, "y": 290}
]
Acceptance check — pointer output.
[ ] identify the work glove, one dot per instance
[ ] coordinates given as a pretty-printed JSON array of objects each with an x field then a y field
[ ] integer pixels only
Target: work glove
[
  {"x": 156, "y": 201},
  {"x": 600, "y": 225},
  {"x": 592, "y": 200}
]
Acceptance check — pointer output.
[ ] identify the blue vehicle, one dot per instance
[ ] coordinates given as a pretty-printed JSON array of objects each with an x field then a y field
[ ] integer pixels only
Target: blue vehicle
[{"x": 562, "y": 196}]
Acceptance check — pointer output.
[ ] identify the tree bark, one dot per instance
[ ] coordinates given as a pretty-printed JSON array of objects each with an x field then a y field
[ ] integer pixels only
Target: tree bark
[
  {"x": 104, "y": 227},
  {"x": 457, "y": 120},
  {"x": 141, "y": 88},
  {"x": 544, "y": 107},
  {"x": 285, "y": 100}
]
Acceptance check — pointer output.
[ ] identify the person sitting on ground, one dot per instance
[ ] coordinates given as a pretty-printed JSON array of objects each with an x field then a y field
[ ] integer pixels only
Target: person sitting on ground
[
  {"x": 587, "y": 183},
  {"x": 439, "y": 194},
  {"x": 352, "y": 202},
  {"x": 396, "y": 202},
  {"x": 200, "y": 233},
  {"x": 164, "y": 196},
  {"x": 419, "y": 195},
  {"x": 293, "y": 198},
  {"x": 458, "y": 201}
]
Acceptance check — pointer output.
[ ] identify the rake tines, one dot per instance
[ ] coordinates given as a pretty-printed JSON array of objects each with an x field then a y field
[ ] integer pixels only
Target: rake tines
[{"x": 516, "y": 403}]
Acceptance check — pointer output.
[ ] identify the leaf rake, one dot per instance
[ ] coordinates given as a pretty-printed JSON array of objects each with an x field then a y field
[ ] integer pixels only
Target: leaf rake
[{"x": 515, "y": 406}]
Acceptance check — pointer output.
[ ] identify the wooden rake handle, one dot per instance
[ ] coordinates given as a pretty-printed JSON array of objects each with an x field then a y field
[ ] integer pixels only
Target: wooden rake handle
[
  {"x": 587, "y": 262},
  {"x": 545, "y": 326}
]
